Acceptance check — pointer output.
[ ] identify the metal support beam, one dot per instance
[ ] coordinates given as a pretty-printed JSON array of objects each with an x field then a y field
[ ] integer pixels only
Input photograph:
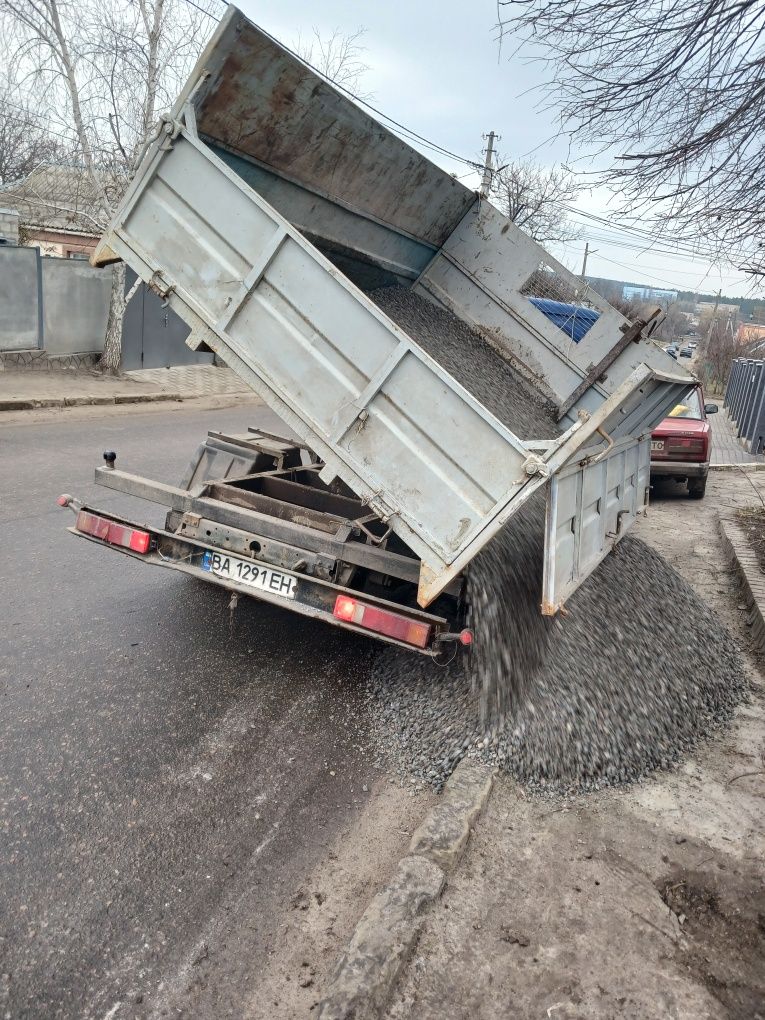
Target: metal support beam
[{"x": 358, "y": 553}]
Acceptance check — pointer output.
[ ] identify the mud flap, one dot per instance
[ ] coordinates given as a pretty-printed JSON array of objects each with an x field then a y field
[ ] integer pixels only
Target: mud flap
[{"x": 592, "y": 502}]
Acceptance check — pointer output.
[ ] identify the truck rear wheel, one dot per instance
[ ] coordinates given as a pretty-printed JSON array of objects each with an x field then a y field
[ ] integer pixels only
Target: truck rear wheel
[{"x": 697, "y": 487}]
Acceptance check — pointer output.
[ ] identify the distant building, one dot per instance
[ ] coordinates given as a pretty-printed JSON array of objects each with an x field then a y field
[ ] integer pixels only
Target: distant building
[
  {"x": 750, "y": 331},
  {"x": 630, "y": 293},
  {"x": 59, "y": 210},
  {"x": 724, "y": 310}
]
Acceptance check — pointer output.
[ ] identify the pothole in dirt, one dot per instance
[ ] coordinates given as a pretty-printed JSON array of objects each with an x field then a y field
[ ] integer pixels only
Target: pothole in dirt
[{"x": 724, "y": 928}]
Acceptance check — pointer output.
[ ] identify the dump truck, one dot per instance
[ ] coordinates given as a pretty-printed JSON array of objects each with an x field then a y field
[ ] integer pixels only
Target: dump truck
[{"x": 267, "y": 205}]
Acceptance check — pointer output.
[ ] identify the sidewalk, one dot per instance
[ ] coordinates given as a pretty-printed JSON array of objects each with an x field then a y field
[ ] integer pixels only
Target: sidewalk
[
  {"x": 21, "y": 391},
  {"x": 726, "y": 446}
]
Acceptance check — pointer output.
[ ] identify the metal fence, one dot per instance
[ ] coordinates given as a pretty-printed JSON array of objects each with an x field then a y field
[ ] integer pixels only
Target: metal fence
[
  {"x": 59, "y": 307},
  {"x": 56, "y": 305},
  {"x": 745, "y": 401}
]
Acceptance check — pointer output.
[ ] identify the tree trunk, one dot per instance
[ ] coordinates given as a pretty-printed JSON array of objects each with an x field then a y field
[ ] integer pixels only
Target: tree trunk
[{"x": 111, "y": 359}]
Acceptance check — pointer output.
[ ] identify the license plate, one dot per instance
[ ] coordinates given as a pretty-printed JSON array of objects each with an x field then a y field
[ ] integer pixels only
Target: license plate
[
  {"x": 657, "y": 445},
  {"x": 255, "y": 575}
]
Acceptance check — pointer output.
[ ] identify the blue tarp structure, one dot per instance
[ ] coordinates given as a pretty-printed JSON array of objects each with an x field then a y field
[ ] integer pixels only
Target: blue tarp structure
[{"x": 573, "y": 320}]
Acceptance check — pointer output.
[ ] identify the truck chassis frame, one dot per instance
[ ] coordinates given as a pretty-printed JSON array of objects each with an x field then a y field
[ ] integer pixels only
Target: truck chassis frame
[{"x": 259, "y": 498}]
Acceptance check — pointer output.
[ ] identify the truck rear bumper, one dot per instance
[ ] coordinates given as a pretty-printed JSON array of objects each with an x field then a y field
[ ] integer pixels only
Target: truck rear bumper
[
  {"x": 678, "y": 469},
  {"x": 314, "y": 597}
]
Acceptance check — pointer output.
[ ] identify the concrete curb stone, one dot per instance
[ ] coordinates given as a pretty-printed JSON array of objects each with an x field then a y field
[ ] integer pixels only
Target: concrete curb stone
[
  {"x": 737, "y": 547},
  {"x": 146, "y": 398},
  {"x": 744, "y": 466},
  {"x": 30, "y": 404},
  {"x": 388, "y": 931},
  {"x": 443, "y": 835},
  {"x": 382, "y": 942}
]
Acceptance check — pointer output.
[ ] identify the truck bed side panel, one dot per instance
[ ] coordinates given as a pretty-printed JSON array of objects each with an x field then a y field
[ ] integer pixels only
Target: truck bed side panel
[{"x": 386, "y": 418}]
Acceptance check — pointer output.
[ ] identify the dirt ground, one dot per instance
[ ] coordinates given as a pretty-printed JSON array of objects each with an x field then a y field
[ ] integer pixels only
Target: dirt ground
[{"x": 640, "y": 903}]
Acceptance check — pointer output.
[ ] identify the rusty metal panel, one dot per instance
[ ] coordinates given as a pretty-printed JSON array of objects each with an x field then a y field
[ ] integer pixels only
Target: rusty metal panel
[{"x": 260, "y": 102}]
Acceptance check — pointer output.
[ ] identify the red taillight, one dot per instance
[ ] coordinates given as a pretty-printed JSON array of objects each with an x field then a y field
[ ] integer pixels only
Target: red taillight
[
  {"x": 686, "y": 447},
  {"x": 113, "y": 533},
  {"x": 345, "y": 608},
  {"x": 382, "y": 621}
]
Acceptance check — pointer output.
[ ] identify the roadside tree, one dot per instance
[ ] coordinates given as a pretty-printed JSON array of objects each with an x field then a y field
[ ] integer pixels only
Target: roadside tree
[
  {"x": 677, "y": 92},
  {"x": 536, "y": 199},
  {"x": 98, "y": 73},
  {"x": 339, "y": 57},
  {"x": 25, "y": 143}
]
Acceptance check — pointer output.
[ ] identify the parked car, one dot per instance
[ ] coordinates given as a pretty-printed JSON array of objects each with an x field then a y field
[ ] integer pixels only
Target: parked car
[
  {"x": 681, "y": 446},
  {"x": 672, "y": 351},
  {"x": 686, "y": 352}
]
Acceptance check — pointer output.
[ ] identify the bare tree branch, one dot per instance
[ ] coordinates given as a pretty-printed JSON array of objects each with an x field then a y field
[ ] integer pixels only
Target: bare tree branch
[
  {"x": 96, "y": 73},
  {"x": 677, "y": 89},
  {"x": 535, "y": 199},
  {"x": 338, "y": 57},
  {"x": 24, "y": 142}
]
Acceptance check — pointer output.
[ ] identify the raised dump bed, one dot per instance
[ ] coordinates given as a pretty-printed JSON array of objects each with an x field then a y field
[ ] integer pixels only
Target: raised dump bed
[{"x": 266, "y": 206}]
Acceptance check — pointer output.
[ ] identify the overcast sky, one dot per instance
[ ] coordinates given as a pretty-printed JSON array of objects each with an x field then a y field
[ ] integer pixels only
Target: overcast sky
[{"x": 436, "y": 66}]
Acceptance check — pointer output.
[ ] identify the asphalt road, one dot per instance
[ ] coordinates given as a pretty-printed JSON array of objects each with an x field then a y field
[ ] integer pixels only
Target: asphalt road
[{"x": 165, "y": 769}]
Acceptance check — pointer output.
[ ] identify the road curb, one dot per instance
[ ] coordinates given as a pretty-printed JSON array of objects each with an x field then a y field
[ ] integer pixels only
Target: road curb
[
  {"x": 737, "y": 547},
  {"x": 443, "y": 835},
  {"x": 31, "y": 404},
  {"x": 387, "y": 933},
  {"x": 749, "y": 466}
]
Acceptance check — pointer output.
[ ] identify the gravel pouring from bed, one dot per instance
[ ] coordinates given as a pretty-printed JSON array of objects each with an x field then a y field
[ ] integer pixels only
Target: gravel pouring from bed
[
  {"x": 506, "y": 577},
  {"x": 636, "y": 674},
  {"x": 628, "y": 682}
]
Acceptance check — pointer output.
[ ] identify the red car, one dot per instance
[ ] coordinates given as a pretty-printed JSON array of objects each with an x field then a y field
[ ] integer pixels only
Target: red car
[{"x": 682, "y": 444}]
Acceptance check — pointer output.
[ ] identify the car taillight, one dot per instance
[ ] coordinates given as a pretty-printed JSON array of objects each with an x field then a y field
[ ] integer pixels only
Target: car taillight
[
  {"x": 382, "y": 621},
  {"x": 686, "y": 448},
  {"x": 113, "y": 533}
]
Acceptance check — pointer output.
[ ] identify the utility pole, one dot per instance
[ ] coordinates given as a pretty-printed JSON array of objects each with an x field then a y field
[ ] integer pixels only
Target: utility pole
[
  {"x": 488, "y": 165},
  {"x": 587, "y": 253},
  {"x": 584, "y": 260}
]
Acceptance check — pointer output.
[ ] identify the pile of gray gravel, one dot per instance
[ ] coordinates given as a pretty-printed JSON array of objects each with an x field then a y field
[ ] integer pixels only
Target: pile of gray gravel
[
  {"x": 637, "y": 673},
  {"x": 628, "y": 682}
]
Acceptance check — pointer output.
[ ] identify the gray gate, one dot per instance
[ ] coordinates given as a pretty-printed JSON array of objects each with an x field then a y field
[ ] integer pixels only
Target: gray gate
[{"x": 153, "y": 336}]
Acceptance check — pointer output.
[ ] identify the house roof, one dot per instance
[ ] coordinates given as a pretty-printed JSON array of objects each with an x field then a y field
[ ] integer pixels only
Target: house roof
[{"x": 59, "y": 197}]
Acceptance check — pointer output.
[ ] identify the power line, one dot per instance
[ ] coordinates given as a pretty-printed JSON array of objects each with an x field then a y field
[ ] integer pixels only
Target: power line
[
  {"x": 202, "y": 10},
  {"x": 658, "y": 269},
  {"x": 684, "y": 247},
  {"x": 638, "y": 269},
  {"x": 642, "y": 249}
]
